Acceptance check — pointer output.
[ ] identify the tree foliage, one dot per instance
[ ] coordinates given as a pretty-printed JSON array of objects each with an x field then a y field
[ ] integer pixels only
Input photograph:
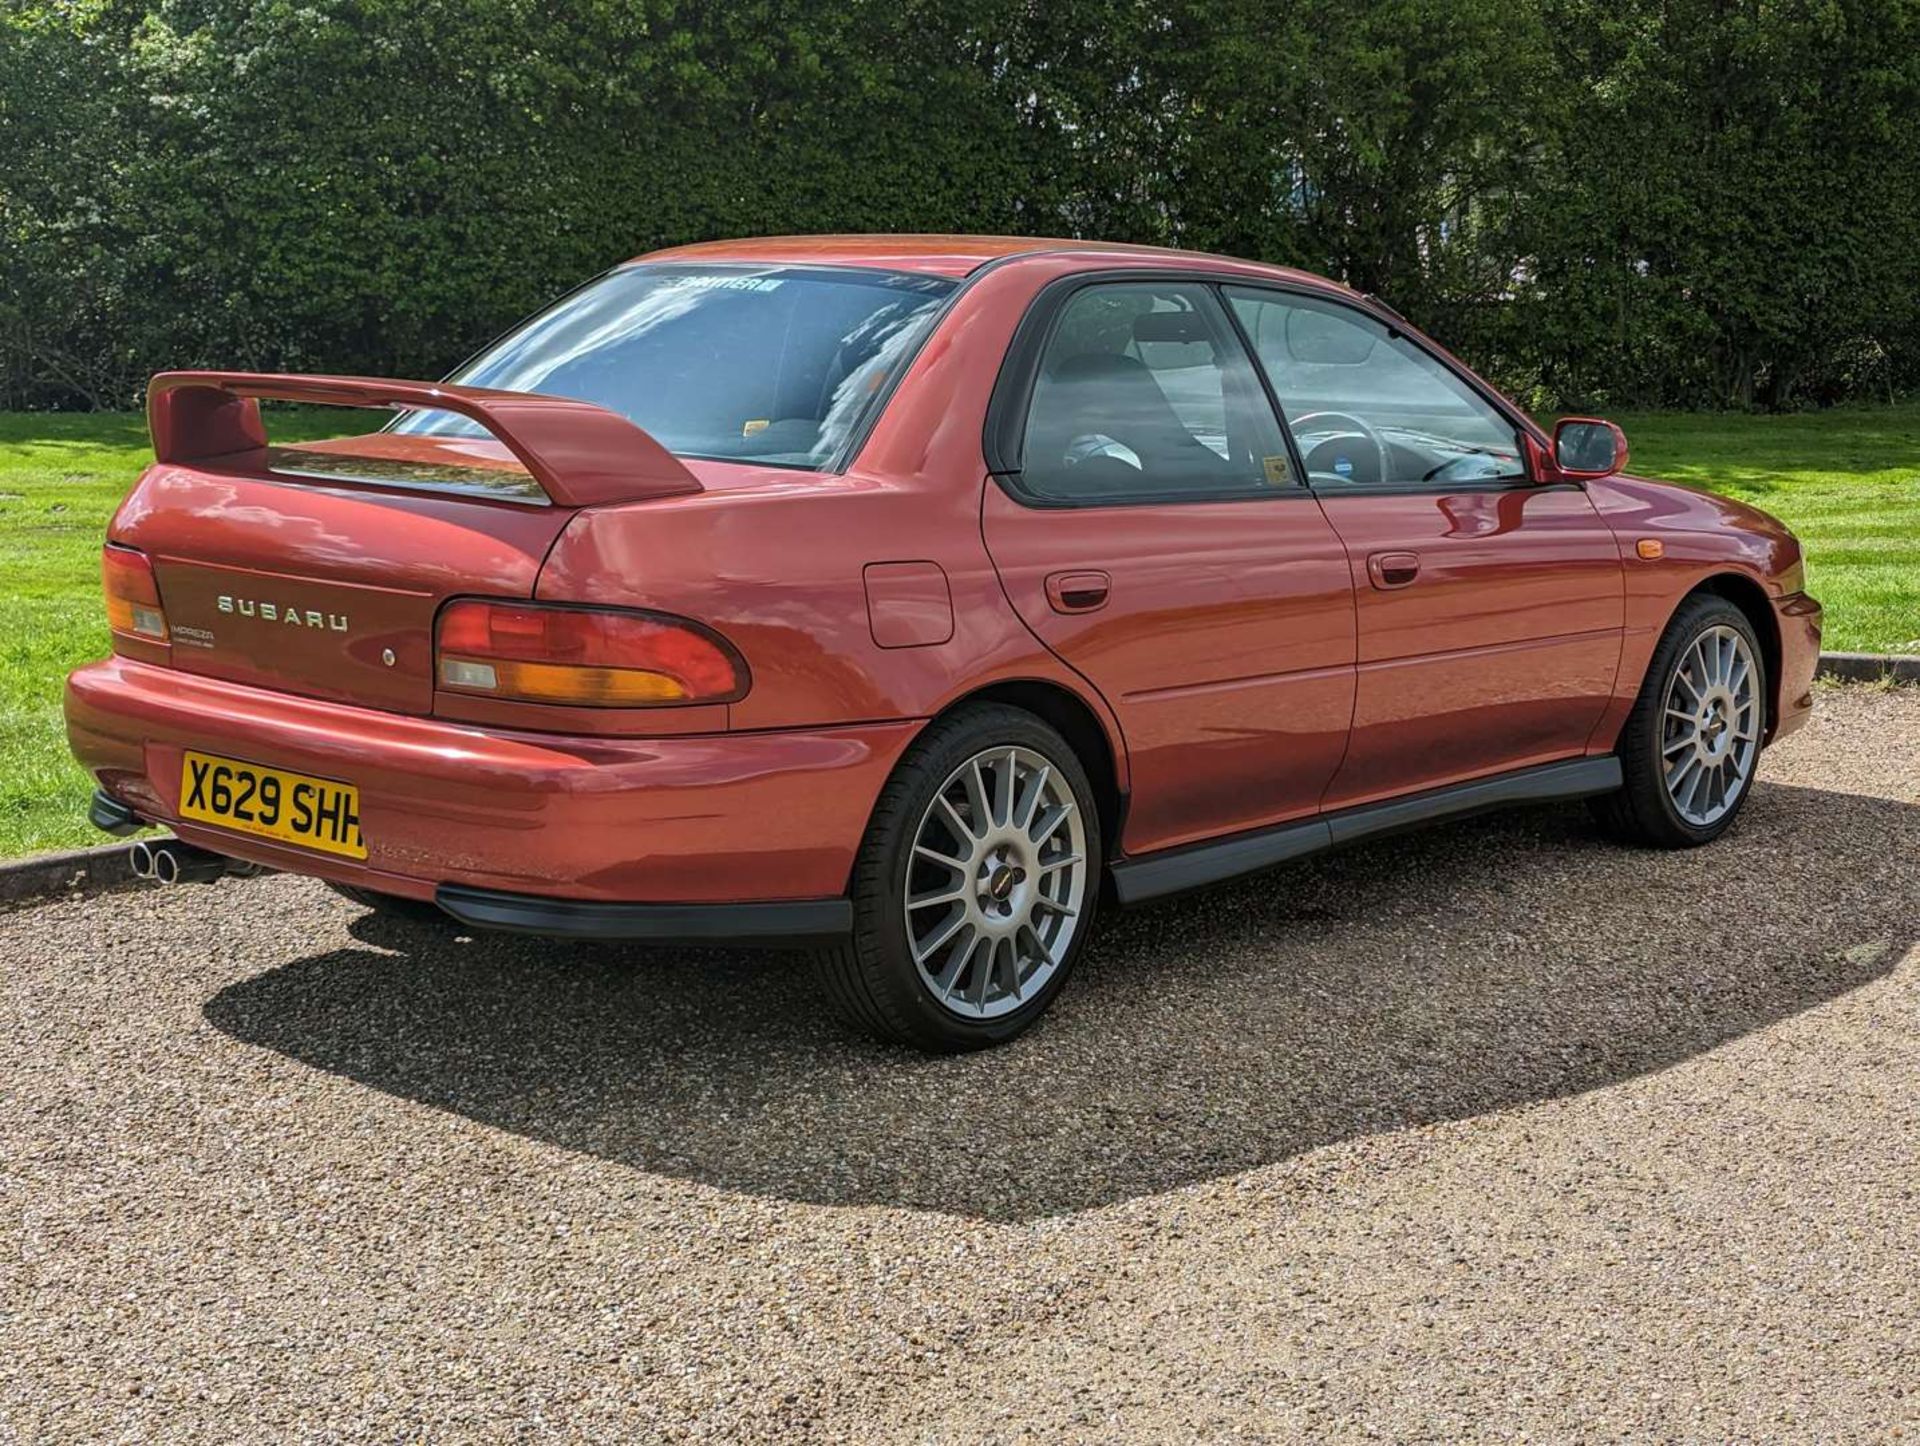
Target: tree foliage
[{"x": 1701, "y": 202}]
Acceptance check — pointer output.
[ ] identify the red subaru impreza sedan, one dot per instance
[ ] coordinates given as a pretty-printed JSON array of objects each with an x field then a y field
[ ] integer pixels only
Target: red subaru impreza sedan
[{"x": 908, "y": 598}]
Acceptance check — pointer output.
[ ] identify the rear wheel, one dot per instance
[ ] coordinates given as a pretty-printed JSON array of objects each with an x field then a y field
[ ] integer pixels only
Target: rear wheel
[
  {"x": 975, "y": 886},
  {"x": 1690, "y": 747}
]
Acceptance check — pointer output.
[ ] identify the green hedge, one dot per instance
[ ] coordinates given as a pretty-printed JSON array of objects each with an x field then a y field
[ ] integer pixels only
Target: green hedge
[{"x": 1638, "y": 202}]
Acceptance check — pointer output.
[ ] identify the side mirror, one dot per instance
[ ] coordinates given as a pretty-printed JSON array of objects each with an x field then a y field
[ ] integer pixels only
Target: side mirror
[{"x": 1588, "y": 447}]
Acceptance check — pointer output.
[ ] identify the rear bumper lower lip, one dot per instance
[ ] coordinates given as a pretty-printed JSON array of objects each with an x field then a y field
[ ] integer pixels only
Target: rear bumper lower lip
[
  {"x": 785, "y": 924},
  {"x": 110, "y": 815}
]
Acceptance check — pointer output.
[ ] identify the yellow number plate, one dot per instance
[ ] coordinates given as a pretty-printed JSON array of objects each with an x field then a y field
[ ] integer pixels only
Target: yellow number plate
[{"x": 315, "y": 813}]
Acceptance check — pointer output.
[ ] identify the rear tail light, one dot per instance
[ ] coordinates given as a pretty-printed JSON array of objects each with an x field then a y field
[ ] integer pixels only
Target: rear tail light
[
  {"x": 601, "y": 657},
  {"x": 133, "y": 597}
]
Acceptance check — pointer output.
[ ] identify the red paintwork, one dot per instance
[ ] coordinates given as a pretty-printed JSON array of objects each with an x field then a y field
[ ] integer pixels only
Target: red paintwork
[
  {"x": 909, "y": 604},
  {"x": 1704, "y": 537},
  {"x": 1502, "y": 650},
  {"x": 1251, "y": 662},
  {"x": 380, "y": 558},
  {"x": 711, "y": 818},
  {"x": 1225, "y": 648}
]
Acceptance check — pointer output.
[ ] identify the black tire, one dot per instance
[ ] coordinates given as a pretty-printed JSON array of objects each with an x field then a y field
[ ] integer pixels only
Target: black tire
[
  {"x": 1642, "y": 811},
  {"x": 873, "y": 979},
  {"x": 413, "y": 911}
]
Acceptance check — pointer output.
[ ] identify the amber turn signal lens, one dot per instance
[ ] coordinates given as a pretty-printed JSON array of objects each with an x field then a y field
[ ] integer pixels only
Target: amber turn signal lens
[
  {"x": 133, "y": 597},
  {"x": 597, "y": 657},
  {"x": 1650, "y": 548}
]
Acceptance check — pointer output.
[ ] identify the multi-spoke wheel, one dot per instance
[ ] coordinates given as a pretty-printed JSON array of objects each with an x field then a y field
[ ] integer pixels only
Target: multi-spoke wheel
[
  {"x": 1711, "y": 726},
  {"x": 996, "y": 882},
  {"x": 975, "y": 886},
  {"x": 1692, "y": 742}
]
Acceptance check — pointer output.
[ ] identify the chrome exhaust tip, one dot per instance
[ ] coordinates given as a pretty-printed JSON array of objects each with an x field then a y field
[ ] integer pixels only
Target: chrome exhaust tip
[
  {"x": 140, "y": 860},
  {"x": 178, "y": 863}
]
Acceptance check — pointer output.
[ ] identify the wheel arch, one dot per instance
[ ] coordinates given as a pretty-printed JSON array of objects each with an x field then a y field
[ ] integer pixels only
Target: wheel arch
[
  {"x": 1086, "y": 733},
  {"x": 1752, "y": 601}
]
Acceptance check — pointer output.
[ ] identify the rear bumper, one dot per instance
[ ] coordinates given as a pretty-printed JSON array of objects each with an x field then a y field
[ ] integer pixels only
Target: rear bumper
[{"x": 709, "y": 819}]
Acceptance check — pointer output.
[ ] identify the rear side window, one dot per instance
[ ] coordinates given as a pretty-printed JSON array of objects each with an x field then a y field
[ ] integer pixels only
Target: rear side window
[
  {"x": 1144, "y": 392},
  {"x": 777, "y": 365}
]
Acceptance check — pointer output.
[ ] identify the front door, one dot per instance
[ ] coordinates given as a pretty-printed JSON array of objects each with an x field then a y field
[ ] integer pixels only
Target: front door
[
  {"x": 1489, "y": 606},
  {"x": 1154, "y": 536}
]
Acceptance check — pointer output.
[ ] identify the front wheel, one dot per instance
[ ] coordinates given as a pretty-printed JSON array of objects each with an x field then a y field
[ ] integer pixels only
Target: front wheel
[
  {"x": 1692, "y": 742},
  {"x": 975, "y": 886}
]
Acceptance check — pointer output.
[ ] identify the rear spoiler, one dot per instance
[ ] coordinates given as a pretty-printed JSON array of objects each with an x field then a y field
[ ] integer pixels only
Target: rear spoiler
[{"x": 580, "y": 455}]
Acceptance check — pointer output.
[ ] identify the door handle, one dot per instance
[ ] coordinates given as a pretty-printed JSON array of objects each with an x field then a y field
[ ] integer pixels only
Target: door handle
[
  {"x": 1393, "y": 569},
  {"x": 1077, "y": 592}
]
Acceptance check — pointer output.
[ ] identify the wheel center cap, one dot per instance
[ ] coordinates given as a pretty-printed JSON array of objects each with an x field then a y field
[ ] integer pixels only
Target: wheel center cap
[{"x": 1000, "y": 883}]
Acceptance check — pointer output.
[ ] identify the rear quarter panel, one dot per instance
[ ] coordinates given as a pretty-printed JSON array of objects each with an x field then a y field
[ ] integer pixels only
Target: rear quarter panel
[
  {"x": 776, "y": 561},
  {"x": 783, "y": 565}
]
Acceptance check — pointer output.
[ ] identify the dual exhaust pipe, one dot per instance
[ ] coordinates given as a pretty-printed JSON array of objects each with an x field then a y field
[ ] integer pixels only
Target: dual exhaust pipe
[{"x": 168, "y": 861}]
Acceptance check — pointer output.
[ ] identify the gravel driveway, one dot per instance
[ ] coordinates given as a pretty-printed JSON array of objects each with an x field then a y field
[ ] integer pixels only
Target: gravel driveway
[{"x": 1495, "y": 1132}]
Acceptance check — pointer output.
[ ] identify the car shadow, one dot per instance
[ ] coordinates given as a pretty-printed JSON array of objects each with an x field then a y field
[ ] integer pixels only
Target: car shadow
[{"x": 1492, "y": 964}]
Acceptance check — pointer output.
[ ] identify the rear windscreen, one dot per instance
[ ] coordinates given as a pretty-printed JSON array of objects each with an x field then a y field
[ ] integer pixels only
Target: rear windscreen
[{"x": 763, "y": 364}]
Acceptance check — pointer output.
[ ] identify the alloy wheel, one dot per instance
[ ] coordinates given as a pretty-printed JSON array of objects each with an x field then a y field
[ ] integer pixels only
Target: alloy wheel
[
  {"x": 1710, "y": 737},
  {"x": 997, "y": 882}
]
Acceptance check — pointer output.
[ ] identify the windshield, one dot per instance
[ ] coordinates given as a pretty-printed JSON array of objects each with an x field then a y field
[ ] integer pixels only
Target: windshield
[{"x": 752, "y": 364}]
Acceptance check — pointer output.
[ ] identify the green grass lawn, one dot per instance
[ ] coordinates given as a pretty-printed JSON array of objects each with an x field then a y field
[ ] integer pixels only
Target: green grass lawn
[
  {"x": 61, "y": 476},
  {"x": 1847, "y": 481}
]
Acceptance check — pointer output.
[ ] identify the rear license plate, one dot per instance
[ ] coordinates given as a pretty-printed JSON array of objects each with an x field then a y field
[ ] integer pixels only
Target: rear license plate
[{"x": 294, "y": 808}]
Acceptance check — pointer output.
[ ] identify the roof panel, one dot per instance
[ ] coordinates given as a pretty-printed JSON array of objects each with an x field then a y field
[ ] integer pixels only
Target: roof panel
[{"x": 942, "y": 255}]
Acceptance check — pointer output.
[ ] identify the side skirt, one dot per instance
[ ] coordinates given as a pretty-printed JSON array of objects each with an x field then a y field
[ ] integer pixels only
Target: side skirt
[{"x": 1189, "y": 867}]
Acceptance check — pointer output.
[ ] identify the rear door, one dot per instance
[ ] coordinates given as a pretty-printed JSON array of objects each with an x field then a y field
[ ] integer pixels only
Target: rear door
[
  {"x": 1490, "y": 605},
  {"x": 1148, "y": 527}
]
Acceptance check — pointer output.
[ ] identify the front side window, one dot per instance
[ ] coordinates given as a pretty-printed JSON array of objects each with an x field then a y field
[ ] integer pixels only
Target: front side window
[
  {"x": 1368, "y": 406},
  {"x": 1144, "y": 392},
  {"x": 766, "y": 364}
]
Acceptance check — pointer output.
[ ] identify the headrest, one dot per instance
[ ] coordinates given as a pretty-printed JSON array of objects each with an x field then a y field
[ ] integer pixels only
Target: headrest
[{"x": 1171, "y": 326}]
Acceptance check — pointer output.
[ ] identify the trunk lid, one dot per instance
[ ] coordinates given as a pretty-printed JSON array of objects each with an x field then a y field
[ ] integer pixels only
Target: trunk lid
[
  {"x": 319, "y": 569},
  {"x": 314, "y": 584}
]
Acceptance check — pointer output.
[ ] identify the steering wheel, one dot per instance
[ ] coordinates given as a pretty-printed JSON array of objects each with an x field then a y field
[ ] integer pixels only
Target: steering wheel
[{"x": 1353, "y": 427}]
